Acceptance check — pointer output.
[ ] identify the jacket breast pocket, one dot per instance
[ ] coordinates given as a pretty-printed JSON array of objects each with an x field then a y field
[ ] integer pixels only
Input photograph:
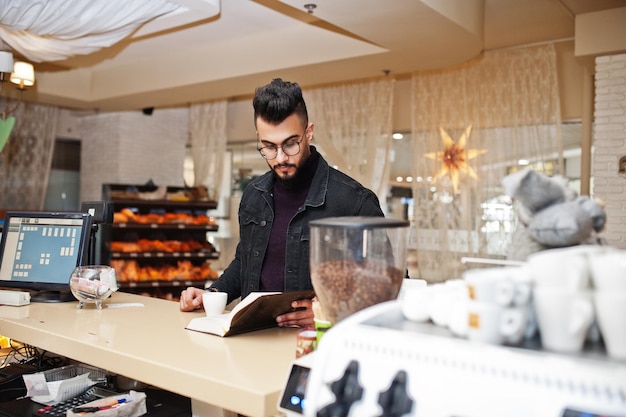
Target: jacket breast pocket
[{"x": 251, "y": 226}]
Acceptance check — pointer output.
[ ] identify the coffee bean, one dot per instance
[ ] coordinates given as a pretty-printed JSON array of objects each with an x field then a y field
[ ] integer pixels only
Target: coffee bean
[{"x": 344, "y": 287}]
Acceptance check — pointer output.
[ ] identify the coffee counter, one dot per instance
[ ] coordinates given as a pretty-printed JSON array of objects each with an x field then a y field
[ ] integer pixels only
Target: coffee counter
[{"x": 144, "y": 338}]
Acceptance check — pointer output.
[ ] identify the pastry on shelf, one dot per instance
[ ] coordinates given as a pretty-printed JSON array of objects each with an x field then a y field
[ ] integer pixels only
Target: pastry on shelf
[
  {"x": 126, "y": 215},
  {"x": 131, "y": 271}
]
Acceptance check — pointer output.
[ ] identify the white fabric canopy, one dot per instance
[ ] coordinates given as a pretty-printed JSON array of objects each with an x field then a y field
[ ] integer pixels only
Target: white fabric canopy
[{"x": 52, "y": 30}]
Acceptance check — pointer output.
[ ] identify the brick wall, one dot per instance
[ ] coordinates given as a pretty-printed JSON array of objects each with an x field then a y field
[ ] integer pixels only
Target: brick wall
[
  {"x": 609, "y": 139},
  {"x": 132, "y": 148}
]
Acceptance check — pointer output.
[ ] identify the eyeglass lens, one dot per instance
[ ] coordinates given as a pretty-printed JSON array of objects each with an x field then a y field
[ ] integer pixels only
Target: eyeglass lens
[{"x": 289, "y": 149}]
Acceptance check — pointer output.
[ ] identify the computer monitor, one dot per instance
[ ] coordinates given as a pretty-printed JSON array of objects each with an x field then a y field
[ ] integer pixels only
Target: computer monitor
[{"x": 39, "y": 250}]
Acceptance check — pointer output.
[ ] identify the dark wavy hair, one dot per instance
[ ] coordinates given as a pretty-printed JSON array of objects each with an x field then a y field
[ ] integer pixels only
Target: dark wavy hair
[{"x": 278, "y": 100}]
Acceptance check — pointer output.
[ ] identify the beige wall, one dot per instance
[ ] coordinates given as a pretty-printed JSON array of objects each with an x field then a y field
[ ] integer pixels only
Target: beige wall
[{"x": 132, "y": 148}]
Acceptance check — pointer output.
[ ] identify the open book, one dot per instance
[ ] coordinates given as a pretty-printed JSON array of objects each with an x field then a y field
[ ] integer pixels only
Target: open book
[{"x": 255, "y": 312}]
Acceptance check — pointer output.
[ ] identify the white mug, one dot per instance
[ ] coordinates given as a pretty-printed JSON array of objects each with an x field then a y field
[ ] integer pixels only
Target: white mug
[
  {"x": 214, "y": 302},
  {"x": 608, "y": 270},
  {"x": 565, "y": 268},
  {"x": 563, "y": 318},
  {"x": 610, "y": 312}
]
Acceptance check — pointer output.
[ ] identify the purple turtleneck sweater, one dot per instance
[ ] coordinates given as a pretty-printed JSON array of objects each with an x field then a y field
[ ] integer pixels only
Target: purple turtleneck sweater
[{"x": 288, "y": 198}]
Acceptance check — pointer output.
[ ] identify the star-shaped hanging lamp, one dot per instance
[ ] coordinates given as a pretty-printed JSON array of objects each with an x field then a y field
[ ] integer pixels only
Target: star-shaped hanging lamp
[{"x": 454, "y": 157}]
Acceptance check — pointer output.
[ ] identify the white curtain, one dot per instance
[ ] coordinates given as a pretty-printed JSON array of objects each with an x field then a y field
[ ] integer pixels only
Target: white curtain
[
  {"x": 51, "y": 30},
  {"x": 509, "y": 99},
  {"x": 353, "y": 124},
  {"x": 26, "y": 158},
  {"x": 207, "y": 130}
]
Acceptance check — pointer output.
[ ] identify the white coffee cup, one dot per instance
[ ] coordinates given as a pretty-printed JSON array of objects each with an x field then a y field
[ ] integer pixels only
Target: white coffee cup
[
  {"x": 610, "y": 309},
  {"x": 608, "y": 270},
  {"x": 415, "y": 300},
  {"x": 443, "y": 296},
  {"x": 494, "y": 324},
  {"x": 563, "y": 318},
  {"x": 214, "y": 302},
  {"x": 494, "y": 285},
  {"x": 565, "y": 268},
  {"x": 489, "y": 285},
  {"x": 411, "y": 284},
  {"x": 457, "y": 307}
]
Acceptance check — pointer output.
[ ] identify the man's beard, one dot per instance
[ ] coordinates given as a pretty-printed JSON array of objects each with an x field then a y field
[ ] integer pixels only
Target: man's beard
[{"x": 289, "y": 181}]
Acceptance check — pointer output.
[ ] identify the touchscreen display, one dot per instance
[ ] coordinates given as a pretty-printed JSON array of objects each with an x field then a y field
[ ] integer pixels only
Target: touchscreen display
[{"x": 293, "y": 395}]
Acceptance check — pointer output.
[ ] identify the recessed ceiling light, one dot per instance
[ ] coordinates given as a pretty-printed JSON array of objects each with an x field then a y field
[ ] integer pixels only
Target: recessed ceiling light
[{"x": 397, "y": 136}]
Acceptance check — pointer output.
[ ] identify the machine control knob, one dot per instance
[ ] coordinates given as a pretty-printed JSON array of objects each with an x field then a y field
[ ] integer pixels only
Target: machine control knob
[
  {"x": 347, "y": 391},
  {"x": 396, "y": 401}
]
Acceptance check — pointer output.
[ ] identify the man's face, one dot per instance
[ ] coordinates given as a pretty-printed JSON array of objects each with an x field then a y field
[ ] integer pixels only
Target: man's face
[{"x": 285, "y": 135}]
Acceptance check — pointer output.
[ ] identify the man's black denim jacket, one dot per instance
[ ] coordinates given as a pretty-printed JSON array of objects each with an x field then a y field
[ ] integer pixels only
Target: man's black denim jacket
[{"x": 332, "y": 194}]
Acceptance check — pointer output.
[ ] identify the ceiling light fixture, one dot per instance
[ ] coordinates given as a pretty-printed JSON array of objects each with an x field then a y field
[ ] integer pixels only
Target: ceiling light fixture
[
  {"x": 310, "y": 7},
  {"x": 23, "y": 75}
]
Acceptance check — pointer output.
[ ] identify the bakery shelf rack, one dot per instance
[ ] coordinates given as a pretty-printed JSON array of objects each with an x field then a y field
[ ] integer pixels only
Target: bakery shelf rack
[{"x": 159, "y": 240}]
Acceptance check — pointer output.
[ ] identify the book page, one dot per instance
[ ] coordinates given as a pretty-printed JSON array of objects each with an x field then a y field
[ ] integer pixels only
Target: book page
[
  {"x": 217, "y": 325},
  {"x": 249, "y": 300}
]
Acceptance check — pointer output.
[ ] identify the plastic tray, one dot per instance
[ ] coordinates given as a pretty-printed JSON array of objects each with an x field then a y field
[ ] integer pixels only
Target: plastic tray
[
  {"x": 70, "y": 371},
  {"x": 71, "y": 388}
]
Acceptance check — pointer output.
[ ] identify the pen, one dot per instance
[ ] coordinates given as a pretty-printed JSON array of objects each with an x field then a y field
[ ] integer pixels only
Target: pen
[{"x": 100, "y": 408}]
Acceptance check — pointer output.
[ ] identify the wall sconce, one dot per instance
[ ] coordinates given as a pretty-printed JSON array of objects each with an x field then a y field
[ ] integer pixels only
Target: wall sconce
[
  {"x": 20, "y": 73},
  {"x": 23, "y": 75}
]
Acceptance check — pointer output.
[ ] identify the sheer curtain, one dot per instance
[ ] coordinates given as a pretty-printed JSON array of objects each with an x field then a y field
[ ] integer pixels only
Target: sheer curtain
[
  {"x": 207, "y": 130},
  {"x": 509, "y": 101},
  {"x": 353, "y": 124},
  {"x": 26, "y": 158}
]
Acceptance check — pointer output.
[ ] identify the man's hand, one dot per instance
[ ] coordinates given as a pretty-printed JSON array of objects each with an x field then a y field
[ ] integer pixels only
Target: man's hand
[
  {"x": 191, "y": 299},
  {"x": 301, "y": 316}
]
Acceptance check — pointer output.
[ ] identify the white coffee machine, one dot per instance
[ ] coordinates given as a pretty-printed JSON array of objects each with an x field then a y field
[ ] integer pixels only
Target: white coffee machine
[{"x": 377, "y": 363}]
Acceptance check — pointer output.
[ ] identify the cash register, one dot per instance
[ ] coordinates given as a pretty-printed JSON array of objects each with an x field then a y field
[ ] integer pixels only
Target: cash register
[{"x": 377, "y": 363}]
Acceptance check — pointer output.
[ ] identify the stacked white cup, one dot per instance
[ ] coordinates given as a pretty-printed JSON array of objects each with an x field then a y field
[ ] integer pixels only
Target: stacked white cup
[
  {"x": 443, "y": 303},
  {"x": 499, "y": 309},
  {"x": 562, "y": 296},
  {"x": 608, "y": 272},
  {"x": 414, "y": 298}
]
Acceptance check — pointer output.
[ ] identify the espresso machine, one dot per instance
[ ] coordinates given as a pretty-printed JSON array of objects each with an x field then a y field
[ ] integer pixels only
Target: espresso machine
[
  {"x": 377, "y": 363},
  {"x": 373, "y": 361}
]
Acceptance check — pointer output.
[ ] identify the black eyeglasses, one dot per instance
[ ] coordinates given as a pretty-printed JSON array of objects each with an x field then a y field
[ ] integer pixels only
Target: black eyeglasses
[{"x": 289, "y": 148}]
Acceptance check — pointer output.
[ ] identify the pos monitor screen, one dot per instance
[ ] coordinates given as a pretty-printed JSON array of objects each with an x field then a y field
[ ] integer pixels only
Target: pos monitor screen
[{"x": 39, "y": 250}]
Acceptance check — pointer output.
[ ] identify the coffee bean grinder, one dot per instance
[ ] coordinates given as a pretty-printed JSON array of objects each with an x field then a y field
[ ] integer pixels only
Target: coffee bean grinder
[{"x": 356, "y": 262}]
